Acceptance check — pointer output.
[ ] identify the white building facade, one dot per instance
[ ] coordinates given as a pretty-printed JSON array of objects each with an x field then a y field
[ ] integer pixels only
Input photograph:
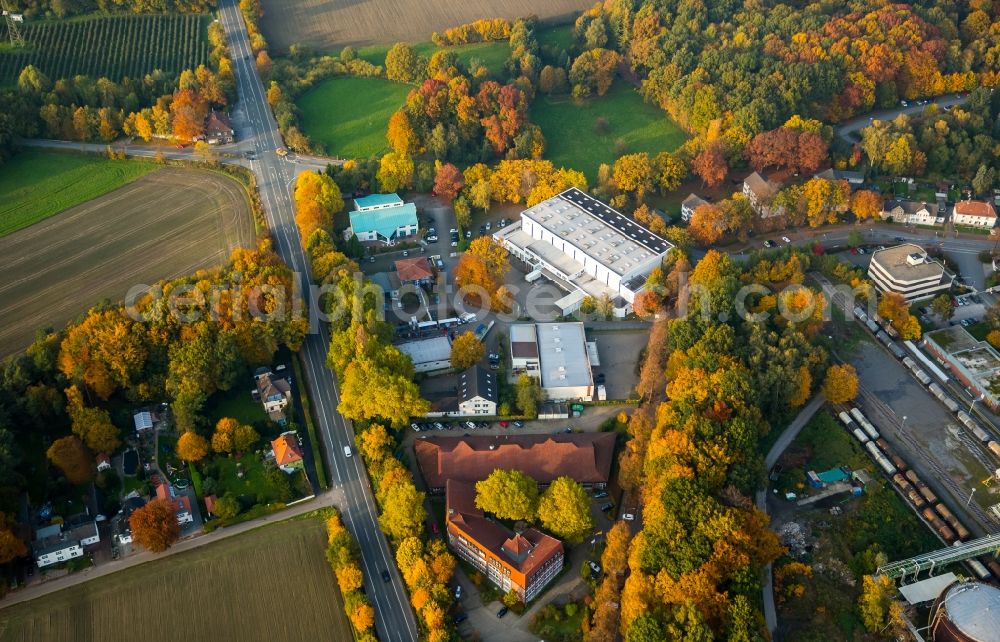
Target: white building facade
[
  {"x": 587, "y": 248},
  {"x": 907, "y": 270}
]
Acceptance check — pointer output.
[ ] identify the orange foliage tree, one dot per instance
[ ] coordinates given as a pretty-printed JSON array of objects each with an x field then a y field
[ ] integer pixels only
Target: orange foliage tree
[
  {"x": 188, "y": 111},
  {"x": 154, "y": 525}
]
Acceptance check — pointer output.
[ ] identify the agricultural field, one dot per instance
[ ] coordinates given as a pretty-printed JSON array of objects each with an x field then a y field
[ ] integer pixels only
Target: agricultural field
[
  {"x": 168, "y": 223},
  {"x": 330, "y": 24},
  {"x": 599, "y": 130},
  {"x": 35, "y": 184},
  {"x": 110, "y": 46},
  {"x": 349, "y": 115},
  {"x": 272, "y": 583}
]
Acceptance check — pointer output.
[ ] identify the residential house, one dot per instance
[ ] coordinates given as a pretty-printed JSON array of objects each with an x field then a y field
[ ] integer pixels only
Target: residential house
[
  {"x": 854, "y": 179},
  {"x": 287, "y": 452},
  {"x": 55, "y": 544},
  {"x": 974, "y": 214},
  {"x": 689, "y": 205},
  {"x": 760, "y": 192},
  {"x": 218, "y": 129},
  {"x": 182, "y": 504},
  {"x": 912, "y": 212},
  {"x": 416, "y": 270},
  {"x": 103, "y": 462},
  {"x": 382, "y": 218},
  {"x": 274, "y": 393},
  {"x": 121, "y": 528},
  {"x": 477, "y": 392},
  {"x": 210, "y": 504}
]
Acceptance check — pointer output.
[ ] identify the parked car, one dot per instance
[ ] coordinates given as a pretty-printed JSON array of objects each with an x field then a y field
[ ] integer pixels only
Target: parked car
[
  {"x": 438, "y": 425},
  {"x": 628, "y": 517},
  {"x": 518, "y": 424},
  {"x": 470, "y": 425},
  {"x": 786, "y": 239},
  {"x": 371, "y": 259},
  {"x": 601, "y": 495},
  {"x": 461, "y": 617},
  {"x": 489, "y": 226},
  {"x": 606, "y": 507},
  {"x": 406, "y": 253},
  {"x": 458, "y": 591},
  {"x": 504, "y": 424},
  {"x": 468, "y": 234},
  {"x": 595, "y": 568},
  {"x": 347, "y": 451},
  {"x": 502, "y": 612},
  {"x": 385, "y": 575},
  {"x": 432, "y": 238}
]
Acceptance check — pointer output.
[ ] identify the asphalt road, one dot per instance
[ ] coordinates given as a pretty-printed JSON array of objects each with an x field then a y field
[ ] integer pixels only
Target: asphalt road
[
  {"x": 850, "y": 129},
  {"x": 394, "y": 620}
]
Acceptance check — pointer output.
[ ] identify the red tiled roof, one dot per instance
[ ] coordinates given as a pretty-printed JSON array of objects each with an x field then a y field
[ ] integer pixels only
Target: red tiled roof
[
  {"x": 163, "y": 492},
  {"x": 416, "y": 269},
  {"x": 103, "y": 458},
  {"x": 218, "y": 123},
  {"x": 523, "y": 552},
  {"x": 210, "y": 504},
  {"x": 975, "y": 208},
  {"x": 286, "y": 450},
  {"x": 584, "y": 457}
]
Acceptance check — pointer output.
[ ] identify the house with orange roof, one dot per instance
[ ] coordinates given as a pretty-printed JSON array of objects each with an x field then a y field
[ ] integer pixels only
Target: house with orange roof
[
  {"x": 287, "y": 452},
  {"x": 182, "y": 504},
  {"x": 974, "y": 214}
]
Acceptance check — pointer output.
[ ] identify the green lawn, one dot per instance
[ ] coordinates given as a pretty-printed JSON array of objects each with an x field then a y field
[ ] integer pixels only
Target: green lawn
[
  {"x": 254, "y": 481},
  {"x": 491, "y": 54},
  {"x": 556, "y": 38},
  {"x": 236, "y": 403},
  {"x": 572, "y": 138},
  {"x": 349, "y": 115},
  {"x": 35, "y": 185}
]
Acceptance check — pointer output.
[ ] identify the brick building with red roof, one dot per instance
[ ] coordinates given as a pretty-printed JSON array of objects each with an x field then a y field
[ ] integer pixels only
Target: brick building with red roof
[{"x": 526, "y": 561}]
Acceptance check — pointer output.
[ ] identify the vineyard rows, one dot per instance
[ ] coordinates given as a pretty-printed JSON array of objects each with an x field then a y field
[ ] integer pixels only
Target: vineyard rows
[{"x": 114, "y": 47}]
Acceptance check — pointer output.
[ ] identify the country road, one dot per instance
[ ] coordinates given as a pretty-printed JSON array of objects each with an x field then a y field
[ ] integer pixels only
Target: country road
[
  {"x": 253, "y": 121},
  {"x": 849, "y": 129}
]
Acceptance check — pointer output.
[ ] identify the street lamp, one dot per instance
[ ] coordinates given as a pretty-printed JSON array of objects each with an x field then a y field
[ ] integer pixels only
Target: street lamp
[
  {"x": 969, "y": 501},
  {"x": 903, "y": 425},
  {"x": 974, "y": 400}
]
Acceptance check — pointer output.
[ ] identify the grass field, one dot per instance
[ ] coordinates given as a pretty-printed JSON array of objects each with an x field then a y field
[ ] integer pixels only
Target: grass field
[
  {"x": 35, "y": 185},
  {"x": 111, "y": 46},
  {"x": 272, "y": 583},
  {"x": 168, "y": 223},
  {"x": 331, "y": 24},
  {"x": 349, "y": 115},
  {"x": 491, "y": 54},
  {"x": 571, "y": 133}
]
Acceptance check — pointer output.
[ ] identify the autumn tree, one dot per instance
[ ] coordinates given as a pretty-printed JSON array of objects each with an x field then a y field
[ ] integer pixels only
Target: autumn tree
[
  {"x": 893, "y": 307},
  {"x": 192, "y": 447},
  {"x": 875, "y": 604},
  {"x": 395, "y": 172},
  {"x": 564, "y": 510},
  {"x": 188, "y": 111},
  {"x": 668, "y": 171},
  {"x": 11, "y": 546},
  {"x": 594, "y": 71},
  {"x": 508, "y": 494},
  {"x": 403, "y": 511},
  {"x": 349, "y": 577},
  {"x": 227, "y": 506},
  {"x": 92, "y": 425},
  {"x": 482, "y": 269},
  {"x": 317, "y": 198},
  {"x": 634, "y": 173},
  {"x": 70, "y": 456},
  {"x": 710, "y": 166},
  {"x": 707, "y": 224},
  {"x": 529, "y": 394},
  {"x": 614, "y": 559},
  {"x": 466, "y": 350},
  {"x": 866, "y": 204},
  {"x": 154, "y": 525},
  {"x": 402, "y": 63},
  {"x": 840, "y": 384},
  {"x": 448, "y": 180}
]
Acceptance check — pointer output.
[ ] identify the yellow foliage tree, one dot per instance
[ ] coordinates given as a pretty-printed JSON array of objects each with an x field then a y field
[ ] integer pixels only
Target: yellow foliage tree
[
  {"x": 192, "y": 447},
  {"x": 841, "y": 383},
  {"x": 466, "y": 350}
]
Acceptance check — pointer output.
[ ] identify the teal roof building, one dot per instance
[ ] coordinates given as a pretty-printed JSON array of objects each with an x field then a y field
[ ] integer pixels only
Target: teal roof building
[{"x": 383, "y": 218}]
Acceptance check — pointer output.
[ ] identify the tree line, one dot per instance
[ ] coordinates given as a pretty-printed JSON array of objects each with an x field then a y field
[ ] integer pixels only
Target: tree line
[{"x": 712, "y": 390}]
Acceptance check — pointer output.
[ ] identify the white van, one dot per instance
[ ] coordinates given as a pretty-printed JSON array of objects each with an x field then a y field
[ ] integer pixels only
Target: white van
[{"x": 347, "y": 451}]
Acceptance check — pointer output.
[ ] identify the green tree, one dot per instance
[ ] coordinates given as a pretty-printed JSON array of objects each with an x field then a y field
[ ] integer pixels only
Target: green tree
[
  {"x": 402, "y": 63},
  {"x": 943, "y": 306},
  {"x": 227, "y": 506},
  {"x": 564, "y": 509},
  {"x": 529, "y": 395},
  {"x": 508, "y": 494}
]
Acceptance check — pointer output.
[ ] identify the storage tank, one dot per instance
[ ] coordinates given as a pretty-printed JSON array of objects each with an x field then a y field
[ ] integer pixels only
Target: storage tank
[
  {"x": 909, "y": 363},
  {"x": 927, "y": 493},
  {"x": 966, "y": 612},
  {"x": 845, "y": 418},
  {"x": 980, "y": 434},
  {"x": 857, "y": 414},
  {"x": 951, "y": 404},
  {"x": 915, "y": 498},
  {"x": 860, "y": 435},
  {"x": 994, "y": 448},
  {"x": 885, "y": 464},
  {"x": 922, "y": 376},
  {"x": 912, "y": 477},
  {"x": 935, "y": 390}
]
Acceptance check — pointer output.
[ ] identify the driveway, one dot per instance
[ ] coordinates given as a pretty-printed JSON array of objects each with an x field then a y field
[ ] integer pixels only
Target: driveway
[{"x": 850, "y": 130}]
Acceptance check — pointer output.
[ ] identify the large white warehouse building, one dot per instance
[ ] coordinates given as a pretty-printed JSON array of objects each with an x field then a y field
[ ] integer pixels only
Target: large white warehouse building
[{"x": 586, "y": 247}]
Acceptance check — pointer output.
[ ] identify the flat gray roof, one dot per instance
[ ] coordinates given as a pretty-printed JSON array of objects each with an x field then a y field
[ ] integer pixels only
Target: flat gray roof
[
  {"x": 562, "y": 349},
  {"x": 606, "y": 235},
  {"x": 427, "y": 350},
  {"x": 894, "y": 261}
]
